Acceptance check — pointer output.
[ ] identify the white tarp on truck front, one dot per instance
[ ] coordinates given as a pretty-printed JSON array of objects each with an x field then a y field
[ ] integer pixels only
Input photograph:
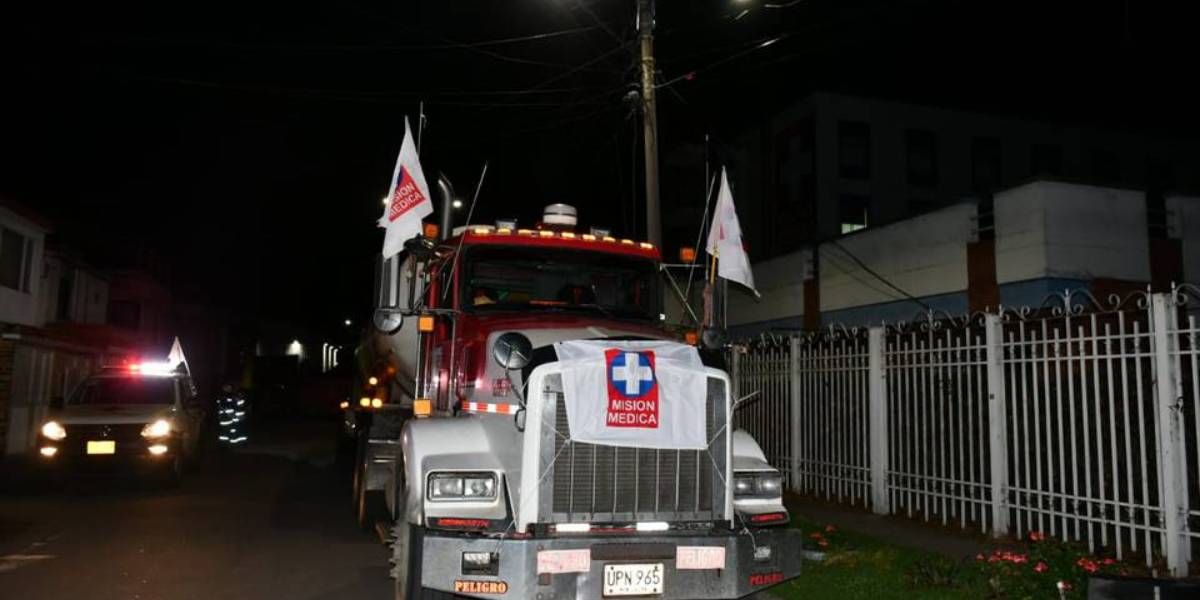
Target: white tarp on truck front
[{"x": 644, "y": 394}]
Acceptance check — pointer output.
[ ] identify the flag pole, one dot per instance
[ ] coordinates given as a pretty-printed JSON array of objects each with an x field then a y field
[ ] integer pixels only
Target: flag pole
[{"x": 420, "y": 123}]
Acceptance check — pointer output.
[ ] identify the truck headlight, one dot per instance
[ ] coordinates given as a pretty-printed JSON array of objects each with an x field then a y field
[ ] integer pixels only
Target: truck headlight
[
  {"x": 53, "y": 431},
  {"x": 760, "y": 484},
  {"x": 461, "y": 486},
  {"x": 158, "y": 429}
]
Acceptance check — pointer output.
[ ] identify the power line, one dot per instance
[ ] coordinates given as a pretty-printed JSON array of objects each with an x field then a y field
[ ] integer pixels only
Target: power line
[
  {"x": 448, "y": 44},
  {"x": 392, "y": 95},
  {"x": 691, "y": 74},
  {"x": 881, "y": 278}
]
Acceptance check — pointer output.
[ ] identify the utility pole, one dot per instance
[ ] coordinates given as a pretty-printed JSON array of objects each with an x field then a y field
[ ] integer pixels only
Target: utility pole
[{"x": 649, "y": 121}]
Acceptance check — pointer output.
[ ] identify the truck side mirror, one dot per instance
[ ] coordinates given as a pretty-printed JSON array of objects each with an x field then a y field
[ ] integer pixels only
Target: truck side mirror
[
  {"x": 399, "y": 285},
  {"x": 388, "y": 321}
]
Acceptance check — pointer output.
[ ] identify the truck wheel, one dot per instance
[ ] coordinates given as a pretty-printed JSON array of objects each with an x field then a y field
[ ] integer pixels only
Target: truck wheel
[
  {"x": 406, "y": 565},
  {"x": 372, "y": 509}
]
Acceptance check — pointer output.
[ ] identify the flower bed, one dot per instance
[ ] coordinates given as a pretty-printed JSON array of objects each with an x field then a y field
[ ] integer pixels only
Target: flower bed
[{"x": 1045, "y": 566}]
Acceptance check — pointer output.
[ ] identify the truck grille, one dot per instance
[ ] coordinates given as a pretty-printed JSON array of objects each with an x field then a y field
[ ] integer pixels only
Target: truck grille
[{"x": 594, "y": 483}]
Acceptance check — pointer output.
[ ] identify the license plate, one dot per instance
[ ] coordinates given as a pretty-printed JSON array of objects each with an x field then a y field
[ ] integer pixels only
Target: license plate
[
  {"x": 633, "y": 580},
  {"x": 102, "y": 447}
]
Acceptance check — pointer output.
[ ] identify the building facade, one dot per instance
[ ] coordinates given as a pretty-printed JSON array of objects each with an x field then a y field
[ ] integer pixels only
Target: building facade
[
  {"x": 1025, "y": 243},
  {"x": 833, "y": 164}
]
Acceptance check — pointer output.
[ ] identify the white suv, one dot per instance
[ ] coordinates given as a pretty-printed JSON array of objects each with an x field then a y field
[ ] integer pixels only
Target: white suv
[{"x": 138, "y": 418}]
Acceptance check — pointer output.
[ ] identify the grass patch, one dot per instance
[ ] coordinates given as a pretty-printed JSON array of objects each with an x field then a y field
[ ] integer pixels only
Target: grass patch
[{"x": 858, "y": 566}]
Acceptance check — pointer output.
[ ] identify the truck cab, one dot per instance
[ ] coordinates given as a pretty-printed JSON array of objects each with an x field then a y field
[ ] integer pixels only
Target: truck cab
[{"x": 489, "y": 489}]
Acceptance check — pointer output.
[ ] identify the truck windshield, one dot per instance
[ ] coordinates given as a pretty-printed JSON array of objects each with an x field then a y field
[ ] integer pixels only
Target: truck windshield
[
  {"x": 124, "y": 390},
  {"x": 506, "y": 278}
]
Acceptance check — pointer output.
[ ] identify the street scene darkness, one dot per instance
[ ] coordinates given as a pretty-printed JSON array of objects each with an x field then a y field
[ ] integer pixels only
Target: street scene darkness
[{"x": 599, "y": 299}]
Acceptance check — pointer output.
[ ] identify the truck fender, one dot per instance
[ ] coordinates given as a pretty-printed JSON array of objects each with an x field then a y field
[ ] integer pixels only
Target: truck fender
[
  {"x": 747, "y": 455},
  {"x": 444, "y": 444}
]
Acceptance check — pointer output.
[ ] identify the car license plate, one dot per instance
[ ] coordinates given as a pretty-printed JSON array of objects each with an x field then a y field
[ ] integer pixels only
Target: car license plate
[
  {"x": 633, "y": 580},
  {"x": 102, "y": 447}
]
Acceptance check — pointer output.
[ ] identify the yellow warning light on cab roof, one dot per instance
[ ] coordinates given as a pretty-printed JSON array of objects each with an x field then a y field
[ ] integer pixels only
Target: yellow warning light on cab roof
[
  {"x": 430, "y": 230},
  {"x": 373, "y": 381},
  {"x": 567, "y": 235},
  {"x": 425, "y": 323},
  {"x": 503, "y": 230},
  {"x": 546, "y": 233},
  {"x": 422, "y": 407},
  {"x": 376, "y": 402},
  {"x": 481, "y": 230},
  {"x": 627, "y": 242},
  {"x": 647, "y": 245},
  {"x": 587, "y": 237},
  {"x": 364, "y": 402}
]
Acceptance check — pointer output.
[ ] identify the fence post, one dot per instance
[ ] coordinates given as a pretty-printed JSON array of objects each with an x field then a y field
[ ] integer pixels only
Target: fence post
[
  {"x": 1168, "y": 398},
  {"x": 878, "y": 431},
  {"x": 794, "y": 424},
  {"x": 997, "y": 422}
]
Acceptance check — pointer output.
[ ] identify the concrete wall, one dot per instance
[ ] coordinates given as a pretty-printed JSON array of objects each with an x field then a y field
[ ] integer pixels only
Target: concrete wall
[
  {"x": 780, "y": 281},
  {"x": 1184, "y": 218},
  {"x": 1049, "y": 237},
  {"x": 924, "y": 256},
  {"x": 1069, "y": 231},
  {"x": 18, "y": 306}
]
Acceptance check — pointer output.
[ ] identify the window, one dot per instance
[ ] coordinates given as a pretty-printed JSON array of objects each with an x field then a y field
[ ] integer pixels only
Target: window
[
  {"x": 65, "y": 291},
  {"x": 16, "y": 260},
  {"x": 113, "y": 391},
  {"x": 1045, "y": 160},
  {"x": 854, "y": 150},
  {"x": 985, "y": 164},
  {"x": 922, "y": 157},
  {"x": 855, "y": 211},
  {"x": 560, "y": 280}
]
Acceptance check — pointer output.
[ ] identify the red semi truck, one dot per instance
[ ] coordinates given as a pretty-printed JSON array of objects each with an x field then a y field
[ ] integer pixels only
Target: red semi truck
[{"x": 470, "y": 461}]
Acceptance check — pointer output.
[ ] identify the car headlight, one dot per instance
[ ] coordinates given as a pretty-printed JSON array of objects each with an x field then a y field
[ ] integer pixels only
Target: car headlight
[
  {"x": 52, "y": 430},
  {"x": 158, "y": 429},
  {"x": 764, "y": 484},
  {"x": 461, "y": 486}
]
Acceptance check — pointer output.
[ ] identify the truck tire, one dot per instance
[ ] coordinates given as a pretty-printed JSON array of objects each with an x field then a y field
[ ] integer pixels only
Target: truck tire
[
  {"x": 372, "y": 509},
  {"x": 406, "y": 565}
]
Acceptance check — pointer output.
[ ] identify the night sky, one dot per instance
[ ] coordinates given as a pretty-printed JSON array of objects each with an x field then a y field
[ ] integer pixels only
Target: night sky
[{"x": 247, "y": 145}]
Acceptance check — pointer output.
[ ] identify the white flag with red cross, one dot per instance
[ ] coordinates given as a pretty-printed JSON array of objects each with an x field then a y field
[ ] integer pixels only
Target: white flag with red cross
[
  {"x": 641, "y": 394},
  {"x": 725, "y": 240},
  {"x": 408, "y": 199}
]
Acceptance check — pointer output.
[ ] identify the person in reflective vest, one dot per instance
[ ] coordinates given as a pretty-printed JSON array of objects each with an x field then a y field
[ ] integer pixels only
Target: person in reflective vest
[{"x": 232, "y": 416}]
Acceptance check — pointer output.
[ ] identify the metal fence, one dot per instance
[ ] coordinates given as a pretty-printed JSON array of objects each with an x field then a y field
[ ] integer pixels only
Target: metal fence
[{"x": 1078, "y": 419}]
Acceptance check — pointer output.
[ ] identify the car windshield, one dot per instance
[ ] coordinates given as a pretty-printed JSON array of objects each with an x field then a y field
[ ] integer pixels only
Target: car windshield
[
  {"x": 499, "y": 278},
  {"x": 124, "y": 390}
]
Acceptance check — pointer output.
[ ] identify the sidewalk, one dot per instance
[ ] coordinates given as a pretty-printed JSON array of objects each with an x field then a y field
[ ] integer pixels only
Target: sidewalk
[{"x": 950, "y": 541}]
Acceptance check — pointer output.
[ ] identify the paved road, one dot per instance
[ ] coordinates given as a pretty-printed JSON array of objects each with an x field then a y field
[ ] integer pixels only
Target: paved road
[{"x": 272, "y": 520}]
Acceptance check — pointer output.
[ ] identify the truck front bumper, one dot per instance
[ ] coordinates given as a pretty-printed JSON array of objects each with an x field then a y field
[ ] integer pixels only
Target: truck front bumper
[{"x": 744, "y": 570}]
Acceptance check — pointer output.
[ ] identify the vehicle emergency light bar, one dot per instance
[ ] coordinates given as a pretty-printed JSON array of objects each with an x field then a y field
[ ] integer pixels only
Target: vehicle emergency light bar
[
  {"x": 488, "y": 230},
  {"x": 158, "y": 369}
]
